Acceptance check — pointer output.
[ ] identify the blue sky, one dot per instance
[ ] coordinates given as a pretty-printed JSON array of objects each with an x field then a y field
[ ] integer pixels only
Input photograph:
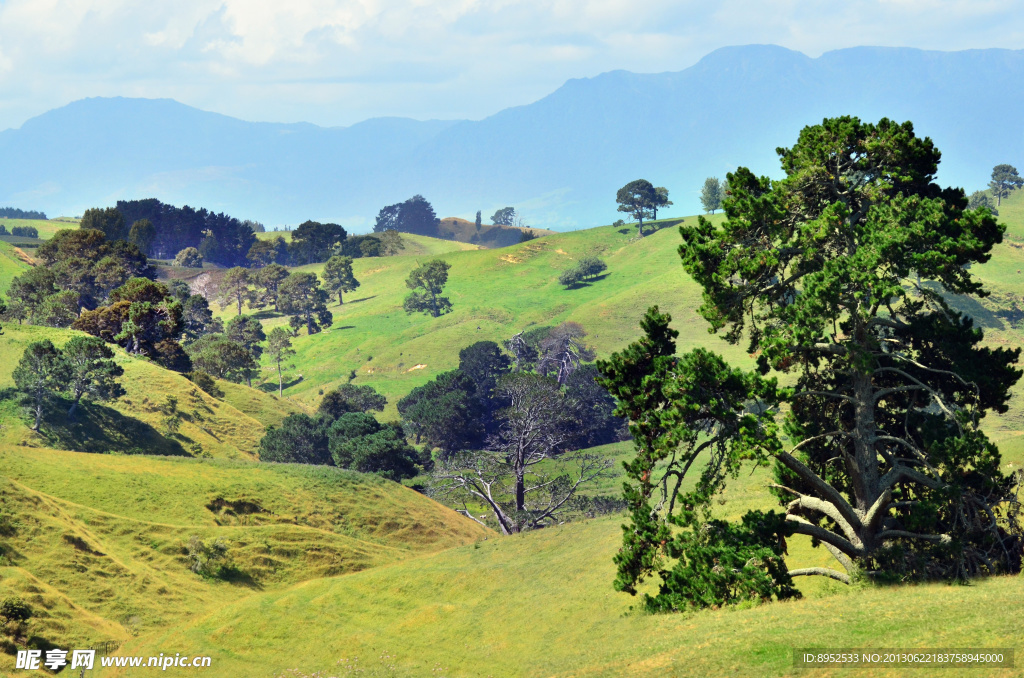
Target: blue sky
[{"x": 335, "y": 62}]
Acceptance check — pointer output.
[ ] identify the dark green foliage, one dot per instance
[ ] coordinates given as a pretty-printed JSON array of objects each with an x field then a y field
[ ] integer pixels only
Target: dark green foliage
[
  {"x": 40, "y": 374},
  {"x": 301, "y": 297},
  {"x": 351, "y": 398},
  {"x": 721, "y": 563},
  {"x": 595, "y": 409},
  {"x": 660, "y": 199},
  {"x": 692, "y": 411},
  {"x": 108, "y": 221},
  {"x": 980, "y": 199},
  {"x": 485, "y": 363},
  {"x": 637, "y": 199},
  {"x": 142, "y": 314},
  {"x": 839, "y": 274},
  {"x": 445, "y": 413},
  {"x": 92, "y": 371},
  {"x": 506, "y": 216},
  {"x": 359, "y": 442},
  {"x": 205, "y": 383},
  {"x": 208, "y": 558},
  {"x": 1005, "y": 180},
  {"x": 338, "y": 276},
  {"x": 142, "y": 234},
  {"x": 415, "y": 215},
  {"x": 266, "y": 284},
  {"x": 188, "y": 258},
  {"x": 222, "y": 357},
  {"x": 219, "y": 238},
  {"x": 585, "y": 270},
  {"x": 266, "y": 252},
  {"x": 25, "y": 231},
  {"x": 570, "y": 277},
  {"x": 300, "y": 439},
  {"x": 197, "y": 318},
  {"x": 427, "y": 282},
  {"x": 15, "y": 213},
  {"x": 14, "y": 609},
  {"x": 313, "y": 242},
  {"x": 247, "y": 332}
]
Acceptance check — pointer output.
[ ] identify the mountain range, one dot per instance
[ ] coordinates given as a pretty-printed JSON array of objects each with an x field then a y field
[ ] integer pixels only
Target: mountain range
[{"x": 558, "y": 160}]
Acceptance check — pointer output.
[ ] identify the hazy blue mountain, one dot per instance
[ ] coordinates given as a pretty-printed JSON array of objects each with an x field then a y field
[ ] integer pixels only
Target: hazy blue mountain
[{"x": 559, "y": 160}]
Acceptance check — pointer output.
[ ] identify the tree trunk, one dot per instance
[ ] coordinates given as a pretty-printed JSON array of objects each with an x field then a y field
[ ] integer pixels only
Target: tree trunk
[
  {"x": 74, "y": 407},
  {"x": 239, "y": 304},
  {"x": 520, "y": 493},
  {"x": 280, "y": 381},
  {"x": 39, "y": 411},
  {"x": 340, "y": 302}
]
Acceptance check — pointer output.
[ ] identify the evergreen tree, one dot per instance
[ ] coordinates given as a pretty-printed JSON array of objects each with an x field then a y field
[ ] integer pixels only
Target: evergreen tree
[
  {"x": 637, "y": 199},
  {"x": 41, "y": 372},
  {"x": 1005, "y": 180},
  {"x": 338, "y": 276},
  {"x": 711, "y": 195},
  {"x": 92, "y": 371},
  {"x": 279, "y": 347},
  {"x": 427, "y": 282},
  {"x": 301, "y": 297}
]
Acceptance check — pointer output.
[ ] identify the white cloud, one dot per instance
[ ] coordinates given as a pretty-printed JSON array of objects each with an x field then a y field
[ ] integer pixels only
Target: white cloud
[{"x": 339, "y": 61}]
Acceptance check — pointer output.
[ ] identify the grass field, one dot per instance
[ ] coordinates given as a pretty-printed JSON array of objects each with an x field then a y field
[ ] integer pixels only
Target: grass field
[{"x": 98, "y": 541}]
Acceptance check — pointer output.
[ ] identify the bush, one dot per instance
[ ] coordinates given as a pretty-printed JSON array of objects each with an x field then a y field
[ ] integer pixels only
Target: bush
[
  {"x": 188, "y": 258},
  {"x": 205, "y": 382},
  {"x": 586, "y": 269},
  {"x": 570, "y": 277},
  {"x": 15, "y": 609},
  {"x": 207, "y": 559}
]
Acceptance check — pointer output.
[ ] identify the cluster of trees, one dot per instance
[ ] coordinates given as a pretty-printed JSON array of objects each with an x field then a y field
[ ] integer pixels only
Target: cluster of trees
[
  {"x": 585, "y": 270},
  {"x": 640, "y": 199},
  {"x": 78, "y": 271},
  {"x": 415, "y": 215},
  {"x": 299, "y": 295},
  {"x": 15, "y": 213},
  {"x": 343, "y": 433},
  {"x": 21, "y": 231},
  {"x": 84, "y": 368},
  {"x": 883, "y": 462}
]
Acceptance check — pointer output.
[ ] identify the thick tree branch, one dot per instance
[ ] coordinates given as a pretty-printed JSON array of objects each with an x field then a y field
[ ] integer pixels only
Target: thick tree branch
[{"x": 822, "y": 572}]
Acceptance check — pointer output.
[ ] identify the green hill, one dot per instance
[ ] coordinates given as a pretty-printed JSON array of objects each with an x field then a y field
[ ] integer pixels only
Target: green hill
[
  {"x": 136, "y": 423},
  {"x": 96, "y": 543}
]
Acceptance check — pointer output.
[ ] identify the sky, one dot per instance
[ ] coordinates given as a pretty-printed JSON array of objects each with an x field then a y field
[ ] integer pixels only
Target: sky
[{"x": 336, "y": 62}]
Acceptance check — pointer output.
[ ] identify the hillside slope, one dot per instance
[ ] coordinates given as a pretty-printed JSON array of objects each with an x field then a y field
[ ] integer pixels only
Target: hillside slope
[
  {"x": 136, "y": 423},
  {"x": 542, "y": 604},
  {"x": 96, "y": 543}
]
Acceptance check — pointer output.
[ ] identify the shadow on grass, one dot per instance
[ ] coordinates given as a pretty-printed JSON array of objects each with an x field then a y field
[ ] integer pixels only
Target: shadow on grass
[
  {"x": 356, "y": 301},
  {"x": 233, "y": 575},
  {"x": 271, "y": 387},
  {"x": 98, "y": 429},
  {"x": 587, "y": 283}
]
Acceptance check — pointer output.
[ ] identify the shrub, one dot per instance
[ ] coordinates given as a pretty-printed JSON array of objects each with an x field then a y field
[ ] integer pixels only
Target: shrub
[
  {"x": 570, "y": 277},
  {"x": 207, "y": 559},
  {"x": 188, "y": 258},
  {"x": 205, "y": 382},
  {"x": 15, "y": 609}
]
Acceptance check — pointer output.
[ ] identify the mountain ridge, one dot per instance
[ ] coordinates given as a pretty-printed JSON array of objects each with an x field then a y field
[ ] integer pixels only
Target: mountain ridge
[{"x": 559, "y": 159}]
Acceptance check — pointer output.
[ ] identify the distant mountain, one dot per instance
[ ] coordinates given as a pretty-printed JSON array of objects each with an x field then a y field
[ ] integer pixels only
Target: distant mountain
[{"x": 558, "y": 160}]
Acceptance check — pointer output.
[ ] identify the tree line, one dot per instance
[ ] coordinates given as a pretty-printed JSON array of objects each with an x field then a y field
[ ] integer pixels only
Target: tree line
[{"x": 15, "y": 213}]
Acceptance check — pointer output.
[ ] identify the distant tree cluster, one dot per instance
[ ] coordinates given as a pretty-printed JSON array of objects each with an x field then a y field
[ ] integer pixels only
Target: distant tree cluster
[
  {"x": 15, "y": 213},
  {"x": 23, "y": 231},
  {"x": 415, "y": 215},
  {"x": 343, "y": 433},
  {"x": 585, "y": 270}
]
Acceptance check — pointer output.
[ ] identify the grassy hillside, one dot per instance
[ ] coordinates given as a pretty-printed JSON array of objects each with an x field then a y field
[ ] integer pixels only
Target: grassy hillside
[
  {"x": 45, "y": 227},
  {"x": 489, "y": 235},
  {"x": 542, "y": 604},
  {"x": 136, "y": 423},
  {"x": 97, "y": 543},
  {"x": 13, "y": 261},
  {"x": 415, "y": 245}
]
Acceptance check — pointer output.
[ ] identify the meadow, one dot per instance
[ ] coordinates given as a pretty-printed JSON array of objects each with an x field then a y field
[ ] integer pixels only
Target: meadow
[{"x": 341, "y": 573}]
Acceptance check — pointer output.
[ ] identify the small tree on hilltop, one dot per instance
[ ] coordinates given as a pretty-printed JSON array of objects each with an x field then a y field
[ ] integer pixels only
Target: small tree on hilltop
[
  {"x": 506, "y": 216},
  {"x": 711, "y": 195},
  {"x": 427, "y": 282},
  {"x": 1005, "y": 180},
  {"x": 301, "y": 297},
  {"x": 41, "y": 372},
  {"x": 338, "y": 276},
  {"x": 92, "y": 371},
  {"x": 637, "y": 199},
  {"x": 279, "y": 347}
]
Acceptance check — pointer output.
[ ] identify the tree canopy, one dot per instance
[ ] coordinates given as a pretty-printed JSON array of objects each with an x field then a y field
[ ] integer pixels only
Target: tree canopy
[
  {"x": 415, "y": 215},
  {"x": 427, "y": 282},
  {"x": 838, "y": 275},
  {"x": 638, "y": 199},
  {"x": 1005, "y": 180}
]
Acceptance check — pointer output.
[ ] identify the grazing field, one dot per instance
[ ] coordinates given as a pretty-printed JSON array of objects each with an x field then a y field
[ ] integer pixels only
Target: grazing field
[{"x": 97, "y": 542}]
